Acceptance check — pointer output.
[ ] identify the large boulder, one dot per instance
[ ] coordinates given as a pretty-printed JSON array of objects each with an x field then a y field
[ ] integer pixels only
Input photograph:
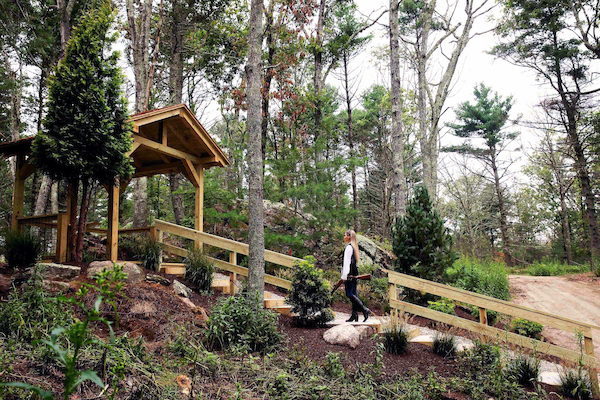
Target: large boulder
[
  {"x": 372, "y": 253},
  {"x": 52, "y": 271},
  {"x": 134, "y": 273},
  {"x": 343, "y": 335}
]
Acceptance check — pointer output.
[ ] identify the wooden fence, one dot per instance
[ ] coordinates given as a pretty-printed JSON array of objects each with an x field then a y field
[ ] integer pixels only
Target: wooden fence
[
  {"x": 226, "y": 244},
  {"x": 489, "y": 303}
]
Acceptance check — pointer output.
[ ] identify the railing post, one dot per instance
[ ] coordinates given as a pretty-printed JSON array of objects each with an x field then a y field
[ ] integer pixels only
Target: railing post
[
  {"x": 592, "y": 369},
  {"x": 62, "y": 227},
  {"x": 483, "y": 316},
  {"x": 232, "y": 275},
  {"x": 393, "y": 295}
]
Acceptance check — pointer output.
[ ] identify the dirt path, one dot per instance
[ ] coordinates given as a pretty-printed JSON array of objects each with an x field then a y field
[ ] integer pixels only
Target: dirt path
[{"x": 576, "y": 297}]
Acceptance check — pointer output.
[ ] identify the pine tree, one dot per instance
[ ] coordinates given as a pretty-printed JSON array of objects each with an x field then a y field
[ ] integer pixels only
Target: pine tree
[
  {"x": 86, "y": 134},
  {"x": 421, "y": 243}
]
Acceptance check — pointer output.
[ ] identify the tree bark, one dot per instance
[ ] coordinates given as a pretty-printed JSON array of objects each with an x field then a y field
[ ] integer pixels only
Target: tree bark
[
  {"x": 256, "y": 262},
  {"x": 399, "y": 180},
  {"x": 65, "y": 9},
  {"x": 81, "y": 226},
  {"x": 508, "y": 260},
  {"x": 176, "y": 198}
]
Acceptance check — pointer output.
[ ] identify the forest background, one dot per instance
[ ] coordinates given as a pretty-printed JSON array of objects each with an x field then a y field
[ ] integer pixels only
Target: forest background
[{"x": 335, "y": 153}]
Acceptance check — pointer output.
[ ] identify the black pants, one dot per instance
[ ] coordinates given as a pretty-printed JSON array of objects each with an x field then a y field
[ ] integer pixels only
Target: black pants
[{"x": 357, "y": 305}]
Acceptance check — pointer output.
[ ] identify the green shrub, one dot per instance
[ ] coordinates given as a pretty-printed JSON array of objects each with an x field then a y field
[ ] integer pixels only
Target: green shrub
[
  {"x": 481, "y": 357},
  {"x": 310, "y": 296},
  {"x": 444, "y": 345},
  {"x": 242, "y": 322},
  {"x": 199, "y": 270},
  {"x": 421, "y": 242},
  {"x": 554, "y": 269},
  {"x": 333, "y": 365},
  {"x": 150, "y": 254},
  {"x": 526, "y": 328},
  {"x": 576, "y": 385},
  {"x": 395, "y": 340},
  {"x": 487, "y": 278},
  {"x": 442, "y": 305},
  {"x": 525, "y": 370},
  {"x": 21, "y": 249},
  {"x": 32, "y": 314}
]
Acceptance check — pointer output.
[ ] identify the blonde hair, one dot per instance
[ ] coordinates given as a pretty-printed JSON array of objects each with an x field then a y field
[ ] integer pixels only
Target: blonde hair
[{"x": 354, "y": 243}]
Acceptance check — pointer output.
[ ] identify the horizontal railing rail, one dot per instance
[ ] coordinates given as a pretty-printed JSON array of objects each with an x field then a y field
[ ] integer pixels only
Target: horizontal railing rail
[
  {"x": 485, "y": 303},
  {"x": 226, "y": 244}
]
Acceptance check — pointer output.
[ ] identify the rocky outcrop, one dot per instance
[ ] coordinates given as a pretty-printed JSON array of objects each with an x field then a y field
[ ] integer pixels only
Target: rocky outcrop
[
  {"x": 371, "y": 253},
  {"x": 343, "y": 335},
  {"x": 181, "y": 290},
  {"x": 158, "y": 279},
  {"x": 52, "y": 271},
  {"x": 55, "y": 286},
  {"x": 134, "y": 273}
]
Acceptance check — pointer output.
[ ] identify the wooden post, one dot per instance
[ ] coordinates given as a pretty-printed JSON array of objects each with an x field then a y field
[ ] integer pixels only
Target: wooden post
[
  {"x": 112, "y": 233},
  {"x": 393, "y": 295},
  {"x": 18, "y": 193},
  {"x": 199, "y": 205},
  {"x": 62, "y": 228},
  {"x": 232, "y": 275},
  {"x": 592, "y": 369},
  {"x": 483, "y": 316}
]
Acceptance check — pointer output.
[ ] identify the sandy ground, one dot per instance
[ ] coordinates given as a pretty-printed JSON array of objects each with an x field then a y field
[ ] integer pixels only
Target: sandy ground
[{"x": 575, "y": 297}]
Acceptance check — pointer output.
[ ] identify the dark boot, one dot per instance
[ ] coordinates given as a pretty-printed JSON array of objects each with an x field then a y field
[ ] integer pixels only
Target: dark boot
[
  {"x": 353, "y": 317},
  {"x": 366, "y": 313}
]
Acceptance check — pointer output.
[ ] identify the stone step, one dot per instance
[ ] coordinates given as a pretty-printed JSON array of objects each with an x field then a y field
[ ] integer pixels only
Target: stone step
[{"x": 550, "y": 378}]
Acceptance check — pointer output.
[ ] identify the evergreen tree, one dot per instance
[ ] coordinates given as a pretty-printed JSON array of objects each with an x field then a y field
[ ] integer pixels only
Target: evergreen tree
[
  {"x": 86, "y": 134},
  {"x": 421, "y": 243}
]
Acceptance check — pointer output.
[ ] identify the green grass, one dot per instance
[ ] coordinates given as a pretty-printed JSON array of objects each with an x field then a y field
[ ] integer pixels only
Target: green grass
[
  {"x": 551, "y": 269},
  {"x": 484, "y": 277}
]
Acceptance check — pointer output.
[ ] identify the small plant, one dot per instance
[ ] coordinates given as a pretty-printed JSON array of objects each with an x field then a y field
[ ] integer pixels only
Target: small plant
[
  {"x": 150, "y": 254},
  {"x": 442, "y": 305},
  {"x": 525, "y": 370},
  {"x": 241, "y": 322},
  {"x": 78, "y": 337},
  {"x": 444, "y": 344},
  {"x": 333, "y": 365},
  {"x": 310, "y": 295},
  {"x": 21, "y": 249},
  {"x": 199, "y": 270},
  {"x": 395, "y": 340},
  {"x": 526, "y": 328},
  {"x": 576, "y": 384}
]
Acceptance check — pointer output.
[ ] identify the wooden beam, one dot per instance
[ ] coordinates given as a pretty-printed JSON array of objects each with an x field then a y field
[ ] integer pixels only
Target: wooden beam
[
  {"x": 199, "y": 204},
  {"x": 151, "y": 118},
  {"x": 18, "y": 193},
  {"x": 208, "y": 160},
  {"x": 134, "y": 147},
  {"x": 123, "y": 185},
  {"x": 61, "y": 238},
  {"x": 192, "y": 175},
  {"x": 27, "y": 170},
  {"x": 112, "y": 233},
  {"x": 209, "y": 142},
  {"x": 169, "y": 151},
  {"x": 158, "y": 169}
]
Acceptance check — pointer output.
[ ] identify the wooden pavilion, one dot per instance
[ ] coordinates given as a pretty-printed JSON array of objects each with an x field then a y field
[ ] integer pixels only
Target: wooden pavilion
[{"x": 165, "y": 140}]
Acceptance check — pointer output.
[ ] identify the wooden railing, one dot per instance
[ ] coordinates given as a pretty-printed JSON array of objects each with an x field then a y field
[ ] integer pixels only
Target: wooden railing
[
  {"x": 59, "y": 221},
  {"x": 489, "y": 303},
  {"x": 226, "y": 244}
]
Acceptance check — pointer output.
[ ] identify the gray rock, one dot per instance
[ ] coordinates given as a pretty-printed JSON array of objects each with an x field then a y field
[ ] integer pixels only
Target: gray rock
[
  {"x": 56, "y": 287},
  {"x": 181, "y": 289},
  {"x": 365, "y": 331},
  {"x": 371, "y": 253},
  {"x": 158, "y": 279},
  {"x": 53, "y": 271},
  {"x": 134, "y": 273},
  {"x": 366, "y": 245},
  {"x": 343, "y": 335}
]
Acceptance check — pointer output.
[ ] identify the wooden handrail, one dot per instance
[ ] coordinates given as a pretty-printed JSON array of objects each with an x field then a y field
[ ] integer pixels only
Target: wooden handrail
[
  {"x": 223, "y": 243},
  {"x": 38, "y": 217},
  {"x": 489, "y": 303},
  {"x": 486, "y": 302}
]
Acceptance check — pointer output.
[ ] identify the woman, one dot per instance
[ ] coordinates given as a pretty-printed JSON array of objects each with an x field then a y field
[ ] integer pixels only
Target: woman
[{"x": 349, "y": 273}]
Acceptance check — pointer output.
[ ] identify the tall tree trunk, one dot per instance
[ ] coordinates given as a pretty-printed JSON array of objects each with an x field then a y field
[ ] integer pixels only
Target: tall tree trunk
[
  {"x": 81, "y": 226},
  {"x": 399, "y": 180},
  {"x": 256, "y": 234},
  {"x": 566, "y": 234},
  {"x": 45, "y": 187},
  {"x": 65, "y": 9},
  {"x": 318, "y": 76},
  {"x": 73, "y": 194},
  {"x": 176, "y": 66},
  {"x": 351, "y": 139},
  {"x": 139, "y": 34},
  {"x": 268, "y": 77},
  {"x": 508, "y": 260}
]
